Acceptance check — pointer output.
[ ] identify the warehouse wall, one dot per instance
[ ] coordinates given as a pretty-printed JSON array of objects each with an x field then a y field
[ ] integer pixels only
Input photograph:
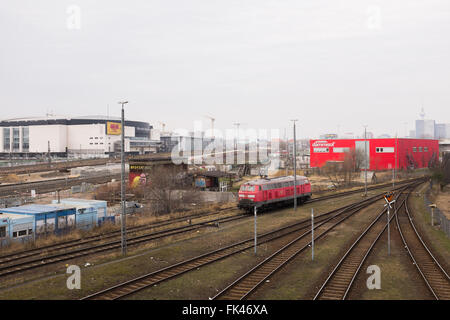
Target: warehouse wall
[
  {"x": 87, "y": 137},
  {"x": 1, "y": 140},
  {"x": 41, "y": 135}
]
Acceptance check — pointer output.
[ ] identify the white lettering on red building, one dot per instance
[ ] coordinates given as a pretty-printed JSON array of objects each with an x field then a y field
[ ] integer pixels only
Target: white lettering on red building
[{"x": 323, "y": 143}]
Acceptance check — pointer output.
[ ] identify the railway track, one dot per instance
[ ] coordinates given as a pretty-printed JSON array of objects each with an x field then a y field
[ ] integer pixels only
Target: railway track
[
  {"x": 431, "y": 271},
  {"x": 17, "y": 256},
  {"x": 59, "y": 165},
  {"x": 245, "y": 285},
  {"x": 15, "y": 263},
  {"x": 341, "y": 194},
  {"x": 36, "y": 262},
  {"x": 340, "y": 280},
  {"x": 53, "y": 184},
  {"x": 132, "y": 286}
]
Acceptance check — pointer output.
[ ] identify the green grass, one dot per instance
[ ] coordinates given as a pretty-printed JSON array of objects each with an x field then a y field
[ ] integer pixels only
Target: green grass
[
  {"x": 436, "y": 239},
  {"x": 302, "y": 277}
]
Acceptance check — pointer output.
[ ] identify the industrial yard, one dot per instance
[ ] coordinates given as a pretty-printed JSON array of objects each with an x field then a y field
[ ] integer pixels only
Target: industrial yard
[
  {"x": 225, "y": 159},
  {"x": 189, "y": 231}
]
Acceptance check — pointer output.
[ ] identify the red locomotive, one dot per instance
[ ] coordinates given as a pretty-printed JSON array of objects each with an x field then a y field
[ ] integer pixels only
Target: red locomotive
[{"x": 264, "y": 193}]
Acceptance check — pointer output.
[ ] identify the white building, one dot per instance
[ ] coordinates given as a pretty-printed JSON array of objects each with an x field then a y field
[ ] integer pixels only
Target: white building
[
  {"x": 90, "y": 136},
  {"x": 425, "y": 129},
  {"x": 442, "y": 131}
]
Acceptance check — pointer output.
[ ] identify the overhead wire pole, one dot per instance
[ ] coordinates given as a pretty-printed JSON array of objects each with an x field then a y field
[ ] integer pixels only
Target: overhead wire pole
[
  {"x": 395, "y": 161},
  {"x": 295, "y": 166},
  {"x": 123, "y": 228},
  {"x": 365, "y": 161},
  {"x": 312, "y": 234},
  {"x": 256, "y": 235}
]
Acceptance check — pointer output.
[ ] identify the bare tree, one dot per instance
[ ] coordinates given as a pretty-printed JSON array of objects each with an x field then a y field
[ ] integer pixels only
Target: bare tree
[
  {"x": 441, "y": 174},
  {"x": 168, "y": 189}
]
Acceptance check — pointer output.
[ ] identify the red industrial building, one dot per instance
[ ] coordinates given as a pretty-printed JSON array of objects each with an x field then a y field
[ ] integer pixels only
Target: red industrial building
[{"x": 383, "y": 154}]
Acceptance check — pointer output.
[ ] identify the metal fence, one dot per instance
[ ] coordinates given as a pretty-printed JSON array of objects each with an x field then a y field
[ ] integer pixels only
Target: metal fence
[{"x": 439, "y": 217}]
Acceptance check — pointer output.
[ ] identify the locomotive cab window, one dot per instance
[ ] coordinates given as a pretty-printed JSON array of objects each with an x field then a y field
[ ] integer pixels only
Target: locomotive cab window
[{"x": 425, "y": 149}]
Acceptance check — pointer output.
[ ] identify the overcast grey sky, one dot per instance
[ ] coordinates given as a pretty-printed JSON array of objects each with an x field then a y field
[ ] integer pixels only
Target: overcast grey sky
[{"x": 327, "y": 63}]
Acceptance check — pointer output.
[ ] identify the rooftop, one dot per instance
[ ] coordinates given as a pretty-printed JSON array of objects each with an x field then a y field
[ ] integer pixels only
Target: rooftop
[
  {"x": 276, "y": 180},
  {"x": 32, "y": 209}
]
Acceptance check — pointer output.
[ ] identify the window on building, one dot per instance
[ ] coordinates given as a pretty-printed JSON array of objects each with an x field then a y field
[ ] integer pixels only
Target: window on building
[
  {"x": 25, "y": 139},
  {"x": 341, "y": 150},
  {"x": 22, "y": 233},
  {"x": 6, "y": 139},
  {"x": 16, "y": 139},
  {"x": 384, "y": 149},
  {"x": 30, "y": 231},
  {"x": 3, "y": 232},
  {"x": 15, "y": 234},
  {"x": 321, "y": 150}
]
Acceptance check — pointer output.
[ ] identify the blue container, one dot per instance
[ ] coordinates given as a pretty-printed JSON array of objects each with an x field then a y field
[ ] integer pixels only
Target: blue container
[
  {"x": 46, "y": 218},
  {"x": 15, "y": 227},
  {"x": 85, "y": 216},
  {"x": 99, "y": 206}
]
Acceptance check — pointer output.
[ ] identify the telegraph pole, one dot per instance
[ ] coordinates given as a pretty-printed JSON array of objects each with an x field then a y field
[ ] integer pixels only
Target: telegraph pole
[
  {"x": 295, "y": 167},
  {"x": 123, "y": 226}
]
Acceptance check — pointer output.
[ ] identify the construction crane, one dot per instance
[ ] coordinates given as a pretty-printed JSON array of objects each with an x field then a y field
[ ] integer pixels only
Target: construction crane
[{"x": 212, "y": 125}]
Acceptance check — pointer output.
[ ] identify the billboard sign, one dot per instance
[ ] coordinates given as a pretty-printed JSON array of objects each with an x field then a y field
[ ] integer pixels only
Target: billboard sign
[{"x": 113, "y": 128}]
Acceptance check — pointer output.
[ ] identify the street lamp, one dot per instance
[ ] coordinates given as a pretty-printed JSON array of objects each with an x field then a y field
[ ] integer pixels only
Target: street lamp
[
  {"x": 295, "y": 166},
  {"x": 123, "y": 227}
]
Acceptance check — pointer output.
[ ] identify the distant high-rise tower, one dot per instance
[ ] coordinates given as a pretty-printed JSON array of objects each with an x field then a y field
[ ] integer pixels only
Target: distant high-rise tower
[
  {"x": 425, "y": 129},
  {"x": 422, "y": 114}
]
